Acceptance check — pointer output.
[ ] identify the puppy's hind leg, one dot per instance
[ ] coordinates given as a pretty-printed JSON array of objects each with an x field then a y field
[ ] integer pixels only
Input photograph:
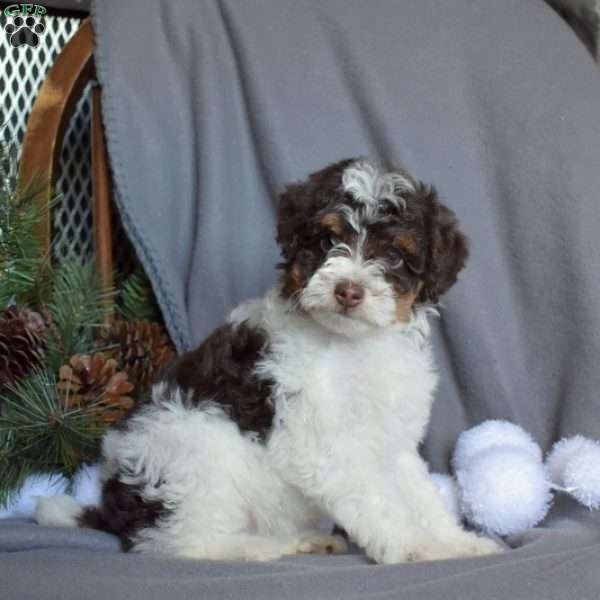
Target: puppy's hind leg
[{"x": 318, "y": 542}]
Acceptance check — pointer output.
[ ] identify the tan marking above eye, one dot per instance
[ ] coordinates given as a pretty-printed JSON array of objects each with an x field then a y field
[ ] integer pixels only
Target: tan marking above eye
[
  {"x": 333, "y": 222},
  {"x": 405, "y": 241}
]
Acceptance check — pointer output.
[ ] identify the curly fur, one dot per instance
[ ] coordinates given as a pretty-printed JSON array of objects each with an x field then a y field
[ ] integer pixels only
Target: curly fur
[
  {"x": 426, "y": 232},
  {"x": 303, "y": 407}
]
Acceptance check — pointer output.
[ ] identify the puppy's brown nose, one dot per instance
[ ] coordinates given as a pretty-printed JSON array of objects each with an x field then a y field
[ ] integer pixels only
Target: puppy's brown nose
[{"x": 349, "y": 294}]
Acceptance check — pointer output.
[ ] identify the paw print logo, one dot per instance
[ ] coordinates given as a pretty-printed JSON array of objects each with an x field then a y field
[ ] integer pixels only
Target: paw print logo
[{"x": 24, "y": 31}]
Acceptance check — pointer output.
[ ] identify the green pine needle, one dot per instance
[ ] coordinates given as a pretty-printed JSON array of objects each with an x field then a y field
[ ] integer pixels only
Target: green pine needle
[
  {"x": 39, "y": 434},
  {"x": 77, "y": 306},
  {"x": 22, "y": 255},
  {"x": 136, "y": 300}
]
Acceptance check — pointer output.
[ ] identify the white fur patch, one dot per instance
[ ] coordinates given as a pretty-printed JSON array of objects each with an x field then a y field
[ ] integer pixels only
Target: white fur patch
[
  {"x": 58, "y": 511},
  {"x": 370, "y": 184}
]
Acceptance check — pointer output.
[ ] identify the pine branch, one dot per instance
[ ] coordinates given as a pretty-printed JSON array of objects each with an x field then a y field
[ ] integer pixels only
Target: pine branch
[
  {"x": 21, "y": 250},
  {"x": 77, "y": 306},
  {"x": 42, "y": 429},
  {"x": 39, "y": 433},
  {"x": 136, "y": 301}
]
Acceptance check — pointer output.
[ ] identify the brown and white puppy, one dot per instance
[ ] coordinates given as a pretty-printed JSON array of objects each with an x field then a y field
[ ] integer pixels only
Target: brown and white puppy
[{"x": 309, "y": 403}]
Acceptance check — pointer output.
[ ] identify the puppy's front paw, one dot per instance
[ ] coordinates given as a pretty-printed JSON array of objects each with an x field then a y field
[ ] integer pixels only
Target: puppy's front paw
[
  {"x": 466, "y": 546},
  {"x": 469, "y": 545}
]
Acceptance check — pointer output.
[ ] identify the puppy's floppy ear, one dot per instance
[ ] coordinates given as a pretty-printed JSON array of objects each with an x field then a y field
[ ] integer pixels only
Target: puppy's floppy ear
[
  {"x": 292, "y": 213},
  {"x": 448, "y": 247}
]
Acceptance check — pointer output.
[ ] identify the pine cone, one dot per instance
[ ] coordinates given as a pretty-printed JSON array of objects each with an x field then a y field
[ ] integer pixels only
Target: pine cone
[
  {"x": 94, "y": 383},
  {"x": 22, "y": 344},
  {"x": 141, "y": 348}
]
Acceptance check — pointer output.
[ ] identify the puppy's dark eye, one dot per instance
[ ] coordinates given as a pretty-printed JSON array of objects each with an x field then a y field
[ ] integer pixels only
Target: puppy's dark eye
[
  {"x": 394, "y": 257},
  {"x": 328, "y": 241}
]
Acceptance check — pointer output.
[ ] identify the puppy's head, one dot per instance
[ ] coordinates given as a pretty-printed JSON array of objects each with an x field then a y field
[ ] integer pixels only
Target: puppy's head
[{"x": 361, "y": 245}]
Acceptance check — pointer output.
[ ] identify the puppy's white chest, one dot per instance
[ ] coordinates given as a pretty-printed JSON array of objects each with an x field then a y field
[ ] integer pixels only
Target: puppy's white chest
[
  {"x": 370, "y": 388},
  {"x": 350, "y": 379}
]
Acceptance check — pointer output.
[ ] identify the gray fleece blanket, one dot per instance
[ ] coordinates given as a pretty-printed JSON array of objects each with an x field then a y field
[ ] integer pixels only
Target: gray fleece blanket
[{"x": 210, "y": 106}]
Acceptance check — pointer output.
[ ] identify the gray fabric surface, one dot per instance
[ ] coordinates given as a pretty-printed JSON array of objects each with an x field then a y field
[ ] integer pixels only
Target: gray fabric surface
[
  {"x": 559, "y": 562},
  {"x": 211, "y": 106}
]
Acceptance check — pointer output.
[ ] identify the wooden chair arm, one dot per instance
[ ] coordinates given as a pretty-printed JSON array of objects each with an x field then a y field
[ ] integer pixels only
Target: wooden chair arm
[{"x": 55, "y": 103}]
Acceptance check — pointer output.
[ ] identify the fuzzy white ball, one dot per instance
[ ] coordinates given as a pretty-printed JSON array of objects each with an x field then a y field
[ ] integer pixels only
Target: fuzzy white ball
[
  {"x": 581, "y": 475},
  {"x": 448, "y": 489},
  {"x": 488, "y": 434},
  {"x": 505, "y": 490},
  {"x": 561, "y": 454},
  {"x": 87, "y": 487},
  {"x": 24, "y": 502}
]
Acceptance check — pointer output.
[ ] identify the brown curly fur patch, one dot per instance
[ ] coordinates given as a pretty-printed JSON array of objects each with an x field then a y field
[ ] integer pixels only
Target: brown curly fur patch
[{"x": 222, "y": 369}]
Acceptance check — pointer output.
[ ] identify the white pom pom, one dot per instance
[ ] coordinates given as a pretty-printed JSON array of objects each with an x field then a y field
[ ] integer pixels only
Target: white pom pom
[
  {"x": 562, "y": 452},
  {"x": 504, "y": 490},
  {"x": 87, "y": 487},
  {"x": 582, "y": 475},
  {"x": 448, "y": 490},
  {"x": 24, "y": 503},
  {"x": 492, "y": 433}
]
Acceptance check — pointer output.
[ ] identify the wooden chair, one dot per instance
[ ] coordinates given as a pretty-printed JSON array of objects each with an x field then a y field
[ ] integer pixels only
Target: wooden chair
[{"x": 72, "y": 70}]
